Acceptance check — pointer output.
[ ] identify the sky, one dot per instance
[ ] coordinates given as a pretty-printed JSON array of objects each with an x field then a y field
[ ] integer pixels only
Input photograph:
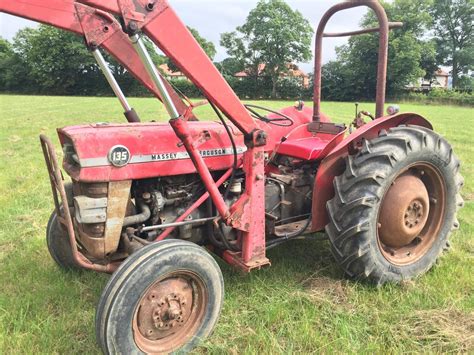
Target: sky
[{"x": 213, "y": 17}]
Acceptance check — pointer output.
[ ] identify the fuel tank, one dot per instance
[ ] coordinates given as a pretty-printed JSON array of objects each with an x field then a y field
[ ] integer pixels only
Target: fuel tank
[{"x": 115, "y": 152}]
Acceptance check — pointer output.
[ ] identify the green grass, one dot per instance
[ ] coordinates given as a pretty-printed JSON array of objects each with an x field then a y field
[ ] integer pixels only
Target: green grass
[{"x": 301, "y": 304}]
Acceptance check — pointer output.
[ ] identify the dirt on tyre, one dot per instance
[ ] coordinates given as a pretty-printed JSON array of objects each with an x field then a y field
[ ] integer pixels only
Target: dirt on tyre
[
  {"x": 395, "y": 205},
  {"x": 165, "y": 298}
]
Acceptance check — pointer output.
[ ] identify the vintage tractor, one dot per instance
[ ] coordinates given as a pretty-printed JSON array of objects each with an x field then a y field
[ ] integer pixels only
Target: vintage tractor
[{"x": 149, "y": 201}]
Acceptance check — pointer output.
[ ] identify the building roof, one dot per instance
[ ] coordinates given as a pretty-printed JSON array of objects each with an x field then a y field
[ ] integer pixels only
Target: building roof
[
  {"x": 167, "y": 71},
  {"x": 293, "y": 71},
  {"x": 441, "y": 72}
]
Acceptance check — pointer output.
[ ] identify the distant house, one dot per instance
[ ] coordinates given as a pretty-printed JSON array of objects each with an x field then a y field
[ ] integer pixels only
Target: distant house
[
  {"x": 440, "y": 80},
  {"x": 168, "y": 74},
  {"x": 293, "y": 72}
]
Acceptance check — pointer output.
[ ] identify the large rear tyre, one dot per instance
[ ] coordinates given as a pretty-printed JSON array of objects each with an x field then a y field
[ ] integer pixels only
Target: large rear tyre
[
  {"x": 395, "y": 205},
  {"x": 164, "y": 298}
]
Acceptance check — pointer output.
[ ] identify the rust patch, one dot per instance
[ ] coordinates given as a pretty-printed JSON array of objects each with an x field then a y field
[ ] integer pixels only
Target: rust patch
[
  {"x": 170, "y": 313},
  {"x": 118, "y": 197}
]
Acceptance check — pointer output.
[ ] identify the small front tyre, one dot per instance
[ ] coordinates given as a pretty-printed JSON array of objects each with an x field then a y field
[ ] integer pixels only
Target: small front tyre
[
  {"x": 59, "y": 247},
  {"x": 164, "y": 298}
]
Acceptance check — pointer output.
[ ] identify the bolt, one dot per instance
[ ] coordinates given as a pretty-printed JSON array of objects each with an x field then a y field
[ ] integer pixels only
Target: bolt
[
  {"x": 259, "y": 177},
  {"x": 146, "y": 195},
  {"x": 106, "y": 29},
  {"x": 422, "y": 172},
  {"x": 133, "y": 27},
  {"x": 150, "y": 6}
]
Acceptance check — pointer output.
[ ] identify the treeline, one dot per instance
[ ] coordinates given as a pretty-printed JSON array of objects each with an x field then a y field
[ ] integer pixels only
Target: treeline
[{"x": 49, "y": 61}]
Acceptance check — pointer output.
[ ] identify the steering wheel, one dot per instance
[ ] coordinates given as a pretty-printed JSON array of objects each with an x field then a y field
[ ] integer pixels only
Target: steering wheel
[{"x": 284, "y": 121}]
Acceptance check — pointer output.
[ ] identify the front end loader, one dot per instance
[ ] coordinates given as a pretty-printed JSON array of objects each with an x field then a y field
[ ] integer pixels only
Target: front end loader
[{"x": 149, "y": 202}]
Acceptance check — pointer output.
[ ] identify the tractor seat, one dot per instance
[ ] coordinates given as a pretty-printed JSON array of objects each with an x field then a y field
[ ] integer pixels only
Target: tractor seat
[{"x": 309, "y": 148}]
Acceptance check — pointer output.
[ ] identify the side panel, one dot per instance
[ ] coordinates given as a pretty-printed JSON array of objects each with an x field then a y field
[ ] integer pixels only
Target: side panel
[{"x": 333, "y": 165}]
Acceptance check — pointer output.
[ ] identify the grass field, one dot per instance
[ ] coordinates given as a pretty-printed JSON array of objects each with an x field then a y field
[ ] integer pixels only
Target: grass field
[{"x": 301, "y": 304}]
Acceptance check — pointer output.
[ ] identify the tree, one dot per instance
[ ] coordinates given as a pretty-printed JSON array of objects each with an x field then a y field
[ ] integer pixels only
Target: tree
[
  {"x": 454, "y": 33},
  {"x": 14, "y": 75},
  {"x": 275, "y": 35},
  {"x": 230, "y": 66},
  {"x": 50, "y": 61},
  {"x": 206, "y": 45},
  {"x": 57, "y": 60}
]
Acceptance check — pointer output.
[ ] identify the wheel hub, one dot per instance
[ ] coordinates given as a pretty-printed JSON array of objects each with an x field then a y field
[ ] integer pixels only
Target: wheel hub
[
  {"x": 404, "y": 211},
  {"x": 411, "y": 214},
  {"x": 165, "y": 308}
]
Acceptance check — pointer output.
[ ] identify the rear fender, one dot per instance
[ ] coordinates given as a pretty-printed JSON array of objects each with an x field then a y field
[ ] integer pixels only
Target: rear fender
[{"x": 333, "y": 165}]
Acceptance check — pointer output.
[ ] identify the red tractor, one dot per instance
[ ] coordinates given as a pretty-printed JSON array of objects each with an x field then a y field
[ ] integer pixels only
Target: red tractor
[{"x": 149, "y": 200}]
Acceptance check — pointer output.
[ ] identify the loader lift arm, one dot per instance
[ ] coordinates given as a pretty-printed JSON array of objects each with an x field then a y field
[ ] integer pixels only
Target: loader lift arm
[
  {"x": 98, "y": 28},
  {"x": 156, "y": 19}
]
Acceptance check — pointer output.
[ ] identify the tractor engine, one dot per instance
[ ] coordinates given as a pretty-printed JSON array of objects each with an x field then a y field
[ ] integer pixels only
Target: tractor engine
[
  {"x": 169, "y": 197},
  {"x": 158, "y": 201}
]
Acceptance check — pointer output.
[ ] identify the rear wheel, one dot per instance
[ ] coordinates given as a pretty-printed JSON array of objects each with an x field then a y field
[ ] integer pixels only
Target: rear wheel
[
  {"x": 164, "y": 298},
  {"x": 395, "y": 205}
]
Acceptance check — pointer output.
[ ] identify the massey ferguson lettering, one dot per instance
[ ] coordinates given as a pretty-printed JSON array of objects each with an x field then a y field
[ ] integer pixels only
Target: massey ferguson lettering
[
  {"x": 213, "y": 152},
  {"x": 164, "y": 156},
  {"x": 204, "y": 153}
]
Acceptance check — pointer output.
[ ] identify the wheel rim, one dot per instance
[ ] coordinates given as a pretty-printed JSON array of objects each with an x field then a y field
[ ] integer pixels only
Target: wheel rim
[
  {"x": 170, "y": 312},
  {"x": 411, "y": 214}
]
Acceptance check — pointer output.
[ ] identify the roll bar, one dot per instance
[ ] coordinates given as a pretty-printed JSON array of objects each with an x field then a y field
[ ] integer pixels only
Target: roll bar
[{"x": 384, "y": 27}]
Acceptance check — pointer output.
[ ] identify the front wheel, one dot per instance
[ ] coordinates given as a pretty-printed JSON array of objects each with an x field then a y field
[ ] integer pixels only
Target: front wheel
[
  {"x": 395, "y": 205},
  {"x": 166, "y": 297}
]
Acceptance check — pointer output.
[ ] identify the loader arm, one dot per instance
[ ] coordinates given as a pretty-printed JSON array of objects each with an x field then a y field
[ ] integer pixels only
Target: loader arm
[
  {"x": 157, "y": 20},
  {"x": 161, "y": 24},
  {"x": 98, "y": 28}
]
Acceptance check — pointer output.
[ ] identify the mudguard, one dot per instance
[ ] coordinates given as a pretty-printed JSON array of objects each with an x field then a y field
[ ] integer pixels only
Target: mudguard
[{"x": 333, "y": 165}]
